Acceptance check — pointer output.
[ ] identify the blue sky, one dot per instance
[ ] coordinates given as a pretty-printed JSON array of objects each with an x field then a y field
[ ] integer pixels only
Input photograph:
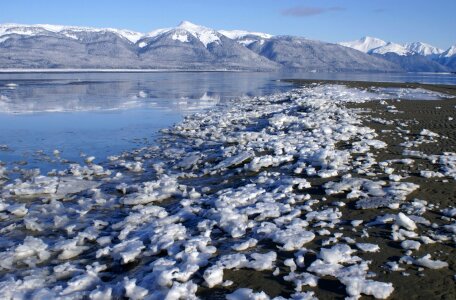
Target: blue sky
[{"x": 433, "y": 22}]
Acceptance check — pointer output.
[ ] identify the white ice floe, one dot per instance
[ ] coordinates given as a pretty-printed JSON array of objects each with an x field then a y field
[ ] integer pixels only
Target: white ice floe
[
  {"x": 427, "y": 262},
  {"x": 247, "y": 294},
  {"x": 410, "y": 245},
  {"x": 367, "y": 247},
  {"x": 405, "y": 221},
  {"x": 154, "y": 191},
  {"x": 213, "y": 276}
]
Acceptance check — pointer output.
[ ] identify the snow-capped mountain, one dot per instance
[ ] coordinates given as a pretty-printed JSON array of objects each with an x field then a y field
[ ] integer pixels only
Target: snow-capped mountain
[
  {"x": 300, "y": 53},
  {"x": 451, "y": 52},
  {"x": 365, "y": 44},
  {"x": 374, "y": 45},
  {"x": 391, "y": 48},
  {"x": 423, "y": 49},
  {"x": 193, "y": 47},
  {"x": 184, "y": 29},
  {"x": 197, "y": 47},
  {"x": 207, "y": 35},
  {"x": 448, "y": 58},
  {"x": 371, "y": 45},
  {"x": 416, "y": 56},
  {"x": 187, "y": 46},
  {"x": 72, "y": 32}
]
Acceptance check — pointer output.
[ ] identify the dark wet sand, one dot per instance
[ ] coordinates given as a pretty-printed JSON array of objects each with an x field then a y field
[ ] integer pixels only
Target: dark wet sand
[
  {"x": 431, "y": 115},
  {"x": 417, "y": 114},
  {"x": 414, "y": 282}
]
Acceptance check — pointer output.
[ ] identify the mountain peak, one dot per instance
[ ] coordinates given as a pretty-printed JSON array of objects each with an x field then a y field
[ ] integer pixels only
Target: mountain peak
[
  {"x": 68, "y": 31},
  {"x": 365, "y": 44},
  {"x": 204, "y": 34},
  {"x": 187, "y": 25},
  {"x": 370, "y": 38},
  {"x": 450, "y": 52},
  {"x": 392, "y": 48},
  {"x": 423, "y": 49}
]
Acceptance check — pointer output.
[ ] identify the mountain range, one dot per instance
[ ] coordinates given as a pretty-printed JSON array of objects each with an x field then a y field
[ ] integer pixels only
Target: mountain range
[
  {"x": 414, "y": 57},
  {"x": 193, "y": 47}
]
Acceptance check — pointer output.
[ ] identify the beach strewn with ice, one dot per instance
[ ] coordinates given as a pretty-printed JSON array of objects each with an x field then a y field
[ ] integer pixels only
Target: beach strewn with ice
[{"x": 325, "y": 191}]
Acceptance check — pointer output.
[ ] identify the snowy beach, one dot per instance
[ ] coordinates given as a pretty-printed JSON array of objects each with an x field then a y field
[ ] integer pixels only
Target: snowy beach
[{"x": 326, "y": 191}]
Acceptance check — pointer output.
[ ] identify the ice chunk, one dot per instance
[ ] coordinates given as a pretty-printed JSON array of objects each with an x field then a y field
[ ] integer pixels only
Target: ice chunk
[
  {"x": 185, "y": 290},
  {"x": 410, "y": 245},
  {"x": 355, "y": 286},
  {"x": 339, "y": 253},
  {"x": 154, "y": 191},
  {"x": 127, "y": 251},
  {"x": 404, "y": 221},
  {"x": 449, "y": 212},
  {"x": 427, "y": 262},
  {"x": 19, "y": 210},
  {"x": 367, "y": 247},
  {"x": 37, "y": 185},
  {"x": 262, "y": 262},
  {"x": 213, "y": 276},
  {"x": 246, "y": 294},
  {"x": 245, "y": 245},
  {"x": 302, "y": 279},
  {"x": 426, "y": 132},
  {"x": 132, "y": 291},
  {"x": 85, "y": 281},
  {"x": 235, "y": 160},
  {"x": 292, "y": 238}
]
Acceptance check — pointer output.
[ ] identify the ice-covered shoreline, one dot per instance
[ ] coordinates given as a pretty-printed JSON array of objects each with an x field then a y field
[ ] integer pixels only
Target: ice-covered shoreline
[{"x": 230, "y": 188}]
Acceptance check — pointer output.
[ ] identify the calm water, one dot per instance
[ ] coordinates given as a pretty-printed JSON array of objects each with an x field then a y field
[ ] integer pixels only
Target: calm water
[{"x": 102, "y": 114}]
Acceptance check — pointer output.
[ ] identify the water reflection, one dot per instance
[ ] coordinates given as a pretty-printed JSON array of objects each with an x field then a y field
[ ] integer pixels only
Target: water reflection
[
  {"x": 179, "y": 92},
  {"x": 28, "y": 93},
  {"x": 105, "y": 113},
  {"x": 29, "y": 97}
]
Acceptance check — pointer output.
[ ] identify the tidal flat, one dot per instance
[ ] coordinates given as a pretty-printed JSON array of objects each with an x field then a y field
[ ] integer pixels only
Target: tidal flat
[{"x": 331, "y": 190}]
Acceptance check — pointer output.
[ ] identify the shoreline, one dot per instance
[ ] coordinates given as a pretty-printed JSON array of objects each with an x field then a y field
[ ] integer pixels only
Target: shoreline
[
  {"x": 260, "y": 194},
  {"x": 366, "y": 85},
  {"x": 63, "y": 71}
]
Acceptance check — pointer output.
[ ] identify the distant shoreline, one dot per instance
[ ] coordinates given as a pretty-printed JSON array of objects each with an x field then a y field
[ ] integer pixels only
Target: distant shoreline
[
  {"x": 17, "y": 71},
  {"x": 68, "y": 70},
  {"x": 443, "y": 88}
]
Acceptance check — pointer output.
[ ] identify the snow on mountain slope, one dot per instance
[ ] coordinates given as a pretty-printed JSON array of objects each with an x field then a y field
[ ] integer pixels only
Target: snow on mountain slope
[
  {"x": 238, "y": 34},
  {"x": 365, "y": 44},
  {"x": 68, "y": 31},
  {"x": 246, "y": 38},
  {"x": 204, "y": 34},
  {"x": 371, "y": 45},
  {"x": 157, "y": 32},
  {"x": 57, "y": 46},
  {"x": 391, "y": 48},
  {"x": 423, "y": 49},
  {"x": 450, "y": 52}
]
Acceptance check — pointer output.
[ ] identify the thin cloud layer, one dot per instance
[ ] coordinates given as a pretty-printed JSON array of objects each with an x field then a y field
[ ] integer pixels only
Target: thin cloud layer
[{"x": 307, "y": 11}]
